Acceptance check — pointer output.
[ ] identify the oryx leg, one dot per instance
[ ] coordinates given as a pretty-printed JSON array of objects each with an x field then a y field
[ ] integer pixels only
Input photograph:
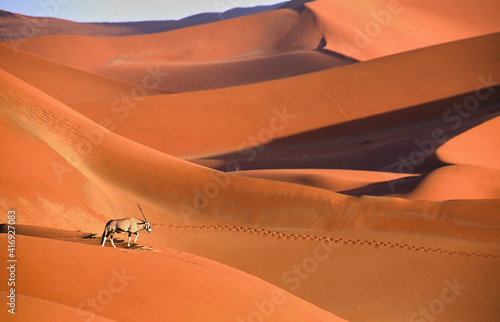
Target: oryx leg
[
  {"x": 129, "y": 236},
  {"x": 111, "y": 239},
  {"x": 136, "y": 236},
  {"x": 106, "y": 237}
]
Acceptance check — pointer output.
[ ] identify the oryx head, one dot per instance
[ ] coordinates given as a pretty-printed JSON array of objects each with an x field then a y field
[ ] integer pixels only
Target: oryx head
[{"x": 147, "y": 227}]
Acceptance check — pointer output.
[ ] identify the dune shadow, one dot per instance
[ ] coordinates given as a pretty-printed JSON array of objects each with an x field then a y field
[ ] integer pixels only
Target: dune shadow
[
  {"x": 340, "y": 57},
  {"x": 386, "y": 188},
  {"x": 374, "y": 143},
  {"x": 294, "y": 4},
  {"x": 53, "y": 233},
  {"x": 74, "y": 236}
]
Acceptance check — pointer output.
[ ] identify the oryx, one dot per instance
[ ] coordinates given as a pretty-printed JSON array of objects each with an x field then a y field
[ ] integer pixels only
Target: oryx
[{"x": 126, "y": 225}]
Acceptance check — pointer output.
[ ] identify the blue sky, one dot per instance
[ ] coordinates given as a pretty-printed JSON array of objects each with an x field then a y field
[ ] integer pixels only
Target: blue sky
[{"x": 123, "y": 10}]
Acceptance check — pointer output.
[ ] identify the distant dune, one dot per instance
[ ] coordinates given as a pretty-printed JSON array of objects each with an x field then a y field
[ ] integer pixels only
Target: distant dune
[
  {"x": 67, "y": 84},
  {"x": 262, "y": 47},
  {"x": 329, "y": 100},
  {"x": 18, "y": 27},
  {"x": 371, "y": 29},
  {"x": 285, "y": 175}
]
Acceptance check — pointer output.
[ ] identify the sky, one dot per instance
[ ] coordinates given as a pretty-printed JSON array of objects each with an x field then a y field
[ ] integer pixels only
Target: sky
[{"x": 123, "y": 10}]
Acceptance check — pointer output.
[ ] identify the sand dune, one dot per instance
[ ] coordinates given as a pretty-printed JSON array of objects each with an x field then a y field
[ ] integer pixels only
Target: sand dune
[
  {"x": 46, "y": 310},
  {"x": 67, "y": 84},
  {"x": 279, "y": 109},
  {"x": 188, "y": 77},
  {"x": 333, "y": 180},
  {"x": 192, "y": 64},
  {"x": 459, "y": 182},
  {"x": 193, "y": 193},
  {"x": 265, "y": 33},
  {"x": 52, "y": 193},
  {"x": 368, "y": 30},
  {"x": 18, "y": 27},
  {"x": 464, "y": 149},
  {"x": 191, "y": 288},
  {"x": 289, "y": 188}
]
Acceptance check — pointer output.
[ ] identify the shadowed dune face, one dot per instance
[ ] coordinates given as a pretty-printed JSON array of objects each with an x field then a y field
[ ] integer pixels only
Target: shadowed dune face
[{"x": 281, "y": 182}]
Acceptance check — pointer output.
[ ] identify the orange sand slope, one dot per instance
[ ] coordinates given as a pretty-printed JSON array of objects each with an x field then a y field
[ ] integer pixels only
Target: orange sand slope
[
  {"x": 103, "y": 157},
  {"x": 367, "y": 192},
  {"x": 369, "y": 29},
  {"x": 268, "y": 32},
  {"x": 300, "y": 104},
  {"x": 163, "y": 285},
  {"x": 293, "y": 208},
  {"x": 67, "y": 84},
  {"x": 464, "y": 149},
  {"x": 18, "y": 27},
  {"x": 226, "y": 53}
]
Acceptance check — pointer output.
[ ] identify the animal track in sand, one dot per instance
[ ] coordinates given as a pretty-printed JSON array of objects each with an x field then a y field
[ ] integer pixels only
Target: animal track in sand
[{"x": 374, "y": 243}]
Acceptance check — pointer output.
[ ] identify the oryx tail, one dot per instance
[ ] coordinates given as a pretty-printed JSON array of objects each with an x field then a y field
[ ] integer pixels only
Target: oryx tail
[{"x": 105, "y": 231}]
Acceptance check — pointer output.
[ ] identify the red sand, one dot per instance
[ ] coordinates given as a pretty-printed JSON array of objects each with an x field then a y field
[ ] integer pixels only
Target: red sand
[
  {"x": 303, "y": 103},
  {"x": 464, "y": 149},
  {"x": 366, "y": 30},
  {"x": 127, "y": 284},
  {"x": 358, "y": 192}
]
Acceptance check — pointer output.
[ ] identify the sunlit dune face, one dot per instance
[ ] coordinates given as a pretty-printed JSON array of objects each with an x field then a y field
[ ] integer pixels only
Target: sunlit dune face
[{"x": 326, "y": 161}]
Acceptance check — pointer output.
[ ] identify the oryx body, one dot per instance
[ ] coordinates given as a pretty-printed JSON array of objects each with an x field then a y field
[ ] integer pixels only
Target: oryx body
[{"x": 126, "y": 225}]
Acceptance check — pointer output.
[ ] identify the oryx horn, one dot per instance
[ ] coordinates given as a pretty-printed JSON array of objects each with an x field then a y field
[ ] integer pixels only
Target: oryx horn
[{"x": 142, "y": 212}]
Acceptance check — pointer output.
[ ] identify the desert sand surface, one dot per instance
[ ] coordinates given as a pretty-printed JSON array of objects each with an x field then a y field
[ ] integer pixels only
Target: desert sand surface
[
  {"x": 285, "y": 176},
  {"x": 369, "y": 29},
  {"x": 18, "y": 27}
]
